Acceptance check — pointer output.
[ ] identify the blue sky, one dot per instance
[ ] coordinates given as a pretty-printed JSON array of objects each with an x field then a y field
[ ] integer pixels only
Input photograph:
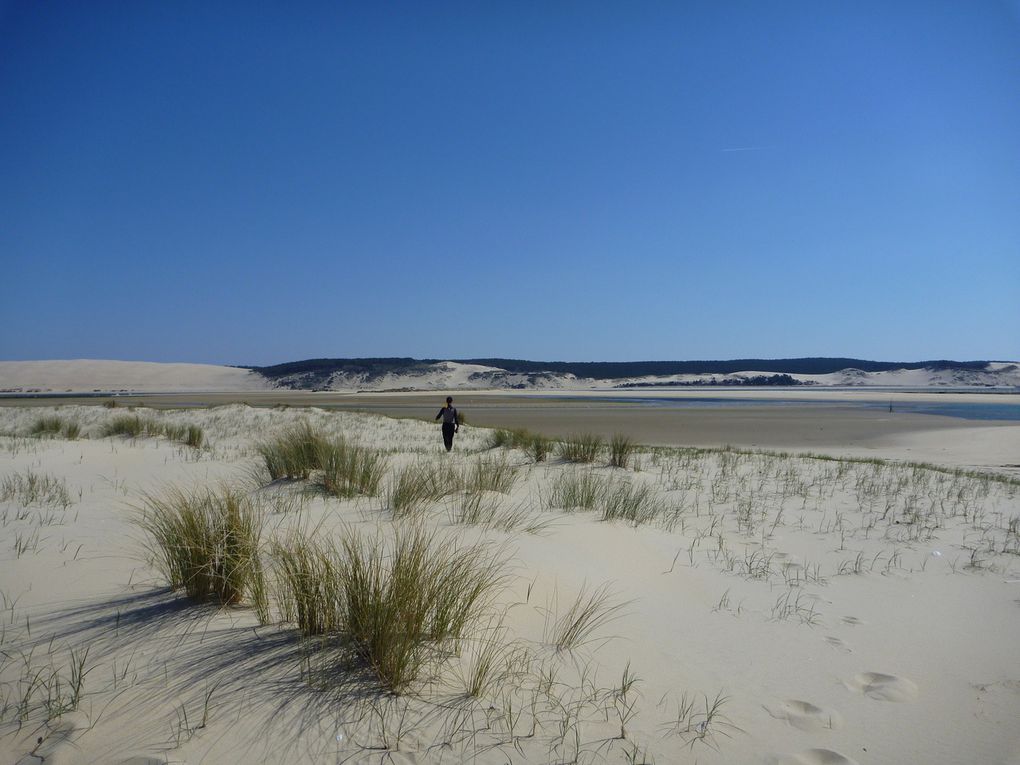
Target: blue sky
[{"x": 252, "y": 183}]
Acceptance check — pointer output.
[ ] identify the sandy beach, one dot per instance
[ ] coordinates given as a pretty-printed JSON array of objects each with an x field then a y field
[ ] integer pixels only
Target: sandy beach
[
  {"x": 835, "y": 422},
  {"x": 747, "y": 607}
]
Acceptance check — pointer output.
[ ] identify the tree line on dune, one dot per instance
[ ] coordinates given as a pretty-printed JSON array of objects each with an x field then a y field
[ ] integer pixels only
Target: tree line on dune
[{"x": 319, "y": 370}]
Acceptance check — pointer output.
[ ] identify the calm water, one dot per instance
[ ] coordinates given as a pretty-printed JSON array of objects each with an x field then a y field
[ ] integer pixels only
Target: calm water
[
  {"x": 982, "y": 410},
  {"x": 990, "y": 410}
]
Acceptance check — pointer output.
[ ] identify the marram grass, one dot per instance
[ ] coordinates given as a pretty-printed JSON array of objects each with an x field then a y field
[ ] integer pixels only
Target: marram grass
[
  {"x": 398, "y": 604},
  {"x": 581, "y": 447},
  {"x": 207, "y": 543}
]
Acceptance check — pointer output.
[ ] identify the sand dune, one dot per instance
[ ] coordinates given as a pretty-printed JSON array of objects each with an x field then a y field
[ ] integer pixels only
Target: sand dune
[
  {"x": 87, "y": 375},
  {"x": 772, "y": 608}
]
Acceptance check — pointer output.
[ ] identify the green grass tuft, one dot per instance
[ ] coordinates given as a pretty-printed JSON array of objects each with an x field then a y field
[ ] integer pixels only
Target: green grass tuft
[
  {"x": 399, "y": 605},
  {"x": 582, "y": 447},
  {"x": 621, "y": 448},
  {"x": 124, "y": 425},
  {"x": 418, "y": 484},
  {"x": 293, "y": 454},
  {"x": 489, "y": 475},
  {"x": 348, "y": 470},
  {"x": 207, "y": 544}
]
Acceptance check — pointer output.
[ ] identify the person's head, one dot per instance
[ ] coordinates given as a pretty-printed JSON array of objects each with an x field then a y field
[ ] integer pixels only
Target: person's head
[{"x": 449, "y": 400}]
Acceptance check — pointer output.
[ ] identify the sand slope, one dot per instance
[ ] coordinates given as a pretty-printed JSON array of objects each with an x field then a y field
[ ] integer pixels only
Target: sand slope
[
  {"x": 840, "y": 612},
  {"x": 87, "y": 375}
]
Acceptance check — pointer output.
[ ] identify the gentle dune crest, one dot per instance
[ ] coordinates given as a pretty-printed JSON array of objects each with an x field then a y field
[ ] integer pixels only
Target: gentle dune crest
[{"x": 88, "y": 375}]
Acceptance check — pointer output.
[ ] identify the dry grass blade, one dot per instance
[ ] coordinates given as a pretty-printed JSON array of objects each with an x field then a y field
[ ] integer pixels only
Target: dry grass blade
[{"x": 590, "y": 611}]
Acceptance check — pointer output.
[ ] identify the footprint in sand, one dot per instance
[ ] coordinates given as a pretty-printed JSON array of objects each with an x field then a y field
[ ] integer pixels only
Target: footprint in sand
[
  {"x": 852, "y": 620},
  {"x": 876, "y": 685},
  {"x": 806, "y": 716},
  {"x": 814, "y": 757},
  {"x": 838, "y": 644}
]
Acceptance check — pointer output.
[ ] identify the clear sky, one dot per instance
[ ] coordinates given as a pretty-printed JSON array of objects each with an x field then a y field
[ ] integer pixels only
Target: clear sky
[{"x": 252, "y": 183}]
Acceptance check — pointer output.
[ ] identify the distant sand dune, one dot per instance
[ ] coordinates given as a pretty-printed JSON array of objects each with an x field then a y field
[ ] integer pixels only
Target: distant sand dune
[{"x": 85, "y": 375}]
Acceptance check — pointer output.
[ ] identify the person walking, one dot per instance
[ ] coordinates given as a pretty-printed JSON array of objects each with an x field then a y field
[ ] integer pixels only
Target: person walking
[{"x": 451, "y": 422}]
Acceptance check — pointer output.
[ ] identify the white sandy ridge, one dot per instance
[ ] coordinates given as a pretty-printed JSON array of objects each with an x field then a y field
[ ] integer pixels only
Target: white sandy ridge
[{"x": 89, "y": 375}]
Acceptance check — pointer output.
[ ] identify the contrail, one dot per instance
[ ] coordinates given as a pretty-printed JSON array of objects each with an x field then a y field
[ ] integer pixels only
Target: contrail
[{"x": 745, "y": 148}]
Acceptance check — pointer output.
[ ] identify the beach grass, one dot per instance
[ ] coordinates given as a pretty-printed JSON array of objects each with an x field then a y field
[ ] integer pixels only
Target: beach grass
[
  {"x": 33, "y": 488},
  {"x": 621, "y": 449},
  {"x": 347, "y": 470},
  {"x": 295, "y": 453},
  {"x": 399, "y": 604},
  {"x": 591, "y": 609},
  {"x": 414, "y": 486},
  {"x": 207, "y": 543},
  {"x": 581, "y": 447}
]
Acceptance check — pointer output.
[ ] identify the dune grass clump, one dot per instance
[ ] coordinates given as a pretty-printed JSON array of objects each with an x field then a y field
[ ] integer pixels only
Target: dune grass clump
[
  {"x": 133, "y": 426},
  {"x": 398, "y": 605},
  {"x": 306, "y": 585},
  {"x": 207, "y": 544},
  {"x": 47, "y": 426},
  {"x": 623, "y": 501},
  {"x": 621, "y": 448},
  {"x": 56, "y": 426},
  {"x": 581, "y": 447},
  {"x": 405, "y": 602},
  {"x": 489, "y": 475},
  {"x": 189, "y": 435},
  {"x": 535, "y": 445},
  {"x": 348, "y": 469},
  {"x": 616, "y": 500},
  {"x": 293, "y": 454},
  {"x": 573, "y": 491},
  {"x": 130, "y": 425},
  {"x": 539, "y": 447},
  {"x": 500, "y": 439},
  {"x": 483, "y": 509},
  {"x": 417, "y": 484}
]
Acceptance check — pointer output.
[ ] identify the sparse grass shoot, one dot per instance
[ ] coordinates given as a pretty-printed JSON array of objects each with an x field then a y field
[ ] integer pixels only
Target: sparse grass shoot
[
  {"x": 591, "y": 610},
  {"x": 31, "y": 488}
]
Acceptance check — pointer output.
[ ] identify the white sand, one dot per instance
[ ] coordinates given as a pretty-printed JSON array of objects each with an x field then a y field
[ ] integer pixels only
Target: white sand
[
  {"x": 847, "y": 612},
  {"x": 87, "y": 375}
]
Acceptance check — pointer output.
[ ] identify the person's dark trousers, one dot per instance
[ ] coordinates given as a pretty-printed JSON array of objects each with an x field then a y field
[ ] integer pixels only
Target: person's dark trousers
[{"x": 448, "y": 434}]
